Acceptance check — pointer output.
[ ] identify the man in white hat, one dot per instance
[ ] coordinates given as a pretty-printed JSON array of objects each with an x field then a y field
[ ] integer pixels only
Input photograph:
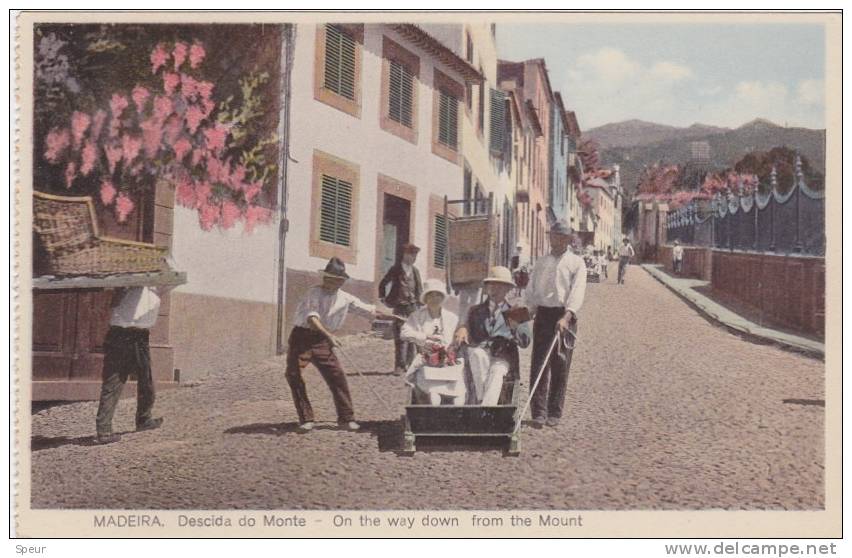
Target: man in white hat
[
  {"x": 493, "y": 338},
  {"x": 555, "y": 294}
]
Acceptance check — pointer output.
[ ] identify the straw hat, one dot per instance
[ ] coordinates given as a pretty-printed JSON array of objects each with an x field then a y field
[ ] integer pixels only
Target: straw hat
[
  {"x": 500, "y": 274},
  {"x": 433, "y": 286}
]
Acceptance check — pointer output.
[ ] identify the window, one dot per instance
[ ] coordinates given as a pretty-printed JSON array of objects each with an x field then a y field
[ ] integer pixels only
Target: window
[
  {"x": 439, "y": 258},
  {"x": 336, "y": 211},
  {"x": 401, "y": 94},
  {"x": 448, "y": 120},
  {"x": 468, "y": 189},
  {"x": 334, "y": 208},
  {"x": 498, "y": 121},
  {"x": 480, "y": 122},
  {"x": 468, "y": 53},
  {"x": 339, "y": 62},
  {"x": 400, "y": 75},
  {"x": 446, "y": 140},
  {"x": 337, "y": 66}
]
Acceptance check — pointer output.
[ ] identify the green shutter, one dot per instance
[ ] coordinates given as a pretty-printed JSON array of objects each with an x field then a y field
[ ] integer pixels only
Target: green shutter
[
  {"x": 498, "y": 121},
  {"x": 336, "y": 211},
  {"x": 448, "y": 120},
  {"x": 440, "y": 252},
  {"x": 339, "y": 62},
  {"x": 401, "y": 94}
]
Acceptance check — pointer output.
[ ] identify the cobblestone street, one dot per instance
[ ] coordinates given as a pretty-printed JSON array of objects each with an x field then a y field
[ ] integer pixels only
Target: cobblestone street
[{"x": 664, "y": 411}]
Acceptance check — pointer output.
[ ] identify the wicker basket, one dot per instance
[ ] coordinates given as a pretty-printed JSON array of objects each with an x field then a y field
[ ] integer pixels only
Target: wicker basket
[{"x": 68, "y": 230}]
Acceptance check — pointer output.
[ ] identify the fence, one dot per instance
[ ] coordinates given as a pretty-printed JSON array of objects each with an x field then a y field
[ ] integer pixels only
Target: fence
[{"x": 783, "y": 223}]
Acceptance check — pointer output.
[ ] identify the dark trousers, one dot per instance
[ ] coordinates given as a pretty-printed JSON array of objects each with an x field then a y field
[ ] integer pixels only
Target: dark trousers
[
  {"x": 126, "y": 352},
  {"x": 622, "y": 268},
  {"x": 677, "y": 265},
  {"x": 549, "y": 396},
  {"x": 403, "y": 351},
  {"x": 307, "y": 346}
]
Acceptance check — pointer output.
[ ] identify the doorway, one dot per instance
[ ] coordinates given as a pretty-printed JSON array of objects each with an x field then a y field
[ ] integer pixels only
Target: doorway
[{"x": 396, "y": 229}]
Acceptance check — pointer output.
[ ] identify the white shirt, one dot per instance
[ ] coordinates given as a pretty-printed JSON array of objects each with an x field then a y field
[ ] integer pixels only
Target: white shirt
[
  {"x": 626, "y": 250},
  {"x": 137, "y": 308},
  {"x": 677, "y": 252},
  {"x": 330, "y": 308},
  {"x": 557, "y": 282},
  {"x": 420, "y": 325},
  {"x": 407, "y": 269}
]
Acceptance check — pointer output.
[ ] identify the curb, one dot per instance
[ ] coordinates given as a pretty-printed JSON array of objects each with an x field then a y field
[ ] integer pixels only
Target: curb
[{"x": 737, "y": 329}]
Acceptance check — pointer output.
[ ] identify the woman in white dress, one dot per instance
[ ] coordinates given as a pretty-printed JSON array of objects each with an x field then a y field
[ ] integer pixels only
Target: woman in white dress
[{"x": 432, "y": 327}]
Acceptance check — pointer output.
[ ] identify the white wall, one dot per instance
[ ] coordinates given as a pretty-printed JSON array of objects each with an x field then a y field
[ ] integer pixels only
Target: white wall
[
  {"x": 230, "y": 264},
  {"x": 316, "y": 125}
]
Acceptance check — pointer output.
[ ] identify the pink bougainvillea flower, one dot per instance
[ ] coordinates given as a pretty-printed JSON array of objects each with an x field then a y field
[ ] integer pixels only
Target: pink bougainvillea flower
[
  {"x": 238, "y": 177},
  {"x": 252, "y": 190},
  {"x": 215, "y": 137},
  {"x": 70, "y": 173},
  {"x": 256, "y": 214},
  {"x": 79, "y": 124},
  {"x": 179, "y": 54},
  {"x": 208, "y": 215},
  {"x": 170, "y": 82},
  {"x": 163, "y": 107},
  {"x": 230, "y": 213},
  {"x": 89, "y": 157},
  {"x": 207, "y": 107},
  {"x": 181, "y": 148},
  {"x": 130, "y": 146},
  {"x": 196, "y": 55},
  {"x": 205, "y": 89},
  {"x": 173, "y": 129},
  {"x": 107, "y": 192},
  {"x": 123, "y": 207},
  {"x": 202, "y": 193},
  {"x": 197, "y": 155},
  {"x": 152, "y": 134},
  {"x": 215, "y": 169},
  {"x": 98, "y": 123},
  {"x": 140, "y": 95},
  {"x": 188, "y": 87},
  {"x": 159, "y": 56},
  {"x": 193, "y": 116},
  {"x": 55, "y": 144},
  {"x": 185, "y": 193},
  {"x": 113, "y": 155},
  {"x": 117, "y": 104}
]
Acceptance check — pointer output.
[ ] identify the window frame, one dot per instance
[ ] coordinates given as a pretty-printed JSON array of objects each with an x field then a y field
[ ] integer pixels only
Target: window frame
[
  {"x": 329, "y": 165},
  {"x": 442, "y": 83},
  {"x": 393, "y": 52},
  {"x": 328, "y": 96}
]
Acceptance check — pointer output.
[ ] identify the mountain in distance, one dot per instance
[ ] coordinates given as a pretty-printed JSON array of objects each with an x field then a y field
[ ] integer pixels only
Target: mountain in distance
[
  {"x": 635, "y": 144},
  {"x": 634, "y": 132}
]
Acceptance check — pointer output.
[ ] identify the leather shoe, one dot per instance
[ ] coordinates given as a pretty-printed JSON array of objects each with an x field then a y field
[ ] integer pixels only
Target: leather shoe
[
  {"x": 538, "y": 423},
  {"x": 552, "y": 421},
  {"x": 150, "y": 424},
  {"x": 107, "y": 438}
]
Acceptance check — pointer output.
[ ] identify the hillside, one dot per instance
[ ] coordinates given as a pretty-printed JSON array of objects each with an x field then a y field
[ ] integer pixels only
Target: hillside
[
  {"x": 726, "y": 146},
  {"x": 632, "y": 133}
]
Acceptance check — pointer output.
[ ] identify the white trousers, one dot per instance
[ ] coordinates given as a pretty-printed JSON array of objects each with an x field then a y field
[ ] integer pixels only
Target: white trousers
[{"x": 488, "y": 373}]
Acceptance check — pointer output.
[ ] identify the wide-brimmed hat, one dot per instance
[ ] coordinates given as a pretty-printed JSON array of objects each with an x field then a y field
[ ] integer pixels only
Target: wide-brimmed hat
[
  {"x": 433, "y": 286},
  {"x": 677, "y": 241},
  {"x": 335, "y": 268},
  {"x": 499, "y": 274},
  {"x": 560, "y": 226},
  {"x": 409, "y": 247}
]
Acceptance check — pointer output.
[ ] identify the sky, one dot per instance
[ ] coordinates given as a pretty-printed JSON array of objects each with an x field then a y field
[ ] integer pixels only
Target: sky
[{"x": 679, "y": 74}]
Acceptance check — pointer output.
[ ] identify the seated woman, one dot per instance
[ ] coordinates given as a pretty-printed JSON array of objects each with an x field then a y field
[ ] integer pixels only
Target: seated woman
[
  {"x": 493, "y": 338},
  {"x": 431, "y": 328}
]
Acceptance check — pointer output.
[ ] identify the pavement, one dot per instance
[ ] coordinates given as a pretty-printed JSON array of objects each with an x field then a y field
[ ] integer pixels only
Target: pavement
[
  {"x": 685, "y": 288},
  {"x": 664, "y": 411}
]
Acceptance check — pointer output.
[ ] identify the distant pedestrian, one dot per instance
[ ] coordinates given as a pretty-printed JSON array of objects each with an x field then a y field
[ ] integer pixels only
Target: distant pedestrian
[
  {"x": 404, "y": 299},
  {"x": 625, "y": 252},
  {"x": 603, "y": 263},
  {"x": 126, "y": 351},
  {"x": 677, "y": 257},
  {"x": 555, "y": 293},
  {"x": 319, "y": 315}
]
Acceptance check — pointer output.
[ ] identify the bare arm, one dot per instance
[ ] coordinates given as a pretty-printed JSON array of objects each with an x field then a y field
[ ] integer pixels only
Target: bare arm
[{"x": 316, "y": 324}]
